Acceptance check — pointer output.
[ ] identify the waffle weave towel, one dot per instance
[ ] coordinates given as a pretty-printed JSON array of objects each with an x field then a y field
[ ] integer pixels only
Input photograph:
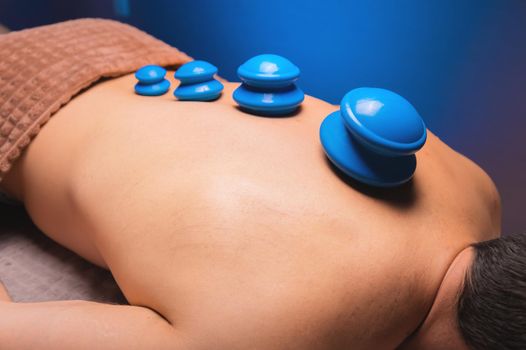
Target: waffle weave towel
[{"x": 42, "y": 68}]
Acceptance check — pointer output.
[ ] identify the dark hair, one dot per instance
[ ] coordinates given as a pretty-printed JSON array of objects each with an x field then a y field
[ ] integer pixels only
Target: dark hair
[{"x": 492, "y": 303}]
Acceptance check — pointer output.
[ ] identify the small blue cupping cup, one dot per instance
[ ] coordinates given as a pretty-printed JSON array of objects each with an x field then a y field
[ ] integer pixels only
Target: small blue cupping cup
[
  {"x": 373, "y": 137},
  {"x": 197, "y": 82},
  {"x": 268, "y": 86},
  {"x": 151, "y": 81}
]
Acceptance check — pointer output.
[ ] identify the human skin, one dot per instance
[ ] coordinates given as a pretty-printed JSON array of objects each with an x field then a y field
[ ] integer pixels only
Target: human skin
[
  {"x": 226, "y": 230},
  {"x": 440, "y": 329}
]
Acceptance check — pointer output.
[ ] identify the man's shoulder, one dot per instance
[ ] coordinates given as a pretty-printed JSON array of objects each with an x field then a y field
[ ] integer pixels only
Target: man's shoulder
[{"x": 472, "y": 187}]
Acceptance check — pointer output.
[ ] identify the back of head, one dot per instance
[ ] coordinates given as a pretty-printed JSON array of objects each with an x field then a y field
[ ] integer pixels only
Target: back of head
[{"x": 492, "y": 303}]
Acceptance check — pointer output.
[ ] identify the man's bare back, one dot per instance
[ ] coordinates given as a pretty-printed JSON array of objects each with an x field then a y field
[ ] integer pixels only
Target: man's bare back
[{"x": 229, "y": 231}]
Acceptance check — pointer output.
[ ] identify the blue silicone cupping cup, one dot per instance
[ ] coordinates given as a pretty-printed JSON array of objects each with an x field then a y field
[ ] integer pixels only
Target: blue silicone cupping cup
[
  {"x": 374, "y": 136},
  {"x": 197, "y": 82},
  {"x": 151, "y": 81},
  {"x": 268, "y": 86}
]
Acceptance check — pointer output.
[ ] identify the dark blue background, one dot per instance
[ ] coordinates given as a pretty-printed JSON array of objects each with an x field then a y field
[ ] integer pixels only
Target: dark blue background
[{"x": 462, "y": 63}]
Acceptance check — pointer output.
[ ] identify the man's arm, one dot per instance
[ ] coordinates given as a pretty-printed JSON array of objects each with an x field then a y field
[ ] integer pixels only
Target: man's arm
[{"x": 83, "y": 325}]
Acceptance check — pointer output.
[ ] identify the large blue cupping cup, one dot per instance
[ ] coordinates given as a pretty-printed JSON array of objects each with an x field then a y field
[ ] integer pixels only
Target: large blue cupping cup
[
  {"x": 373, "y": 137},
  {"x": 268, "y": 86}
]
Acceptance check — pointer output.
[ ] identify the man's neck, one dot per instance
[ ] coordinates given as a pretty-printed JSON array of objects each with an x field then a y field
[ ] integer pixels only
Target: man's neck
[{"x": 439, "y": 330}]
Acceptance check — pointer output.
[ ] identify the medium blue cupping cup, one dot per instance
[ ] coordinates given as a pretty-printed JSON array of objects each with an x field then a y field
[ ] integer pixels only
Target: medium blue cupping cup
[
  {"x": 197, "y": 82},
  {"x": 151, "y": 81},
  {"x": 374, "y": 136},
  {"x": 268, "y": 71},
  {"x": 268, "y": 86}
]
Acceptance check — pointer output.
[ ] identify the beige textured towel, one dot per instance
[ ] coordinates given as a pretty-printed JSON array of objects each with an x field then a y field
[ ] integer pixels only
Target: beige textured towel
[{"x": 42, "y": 68}]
